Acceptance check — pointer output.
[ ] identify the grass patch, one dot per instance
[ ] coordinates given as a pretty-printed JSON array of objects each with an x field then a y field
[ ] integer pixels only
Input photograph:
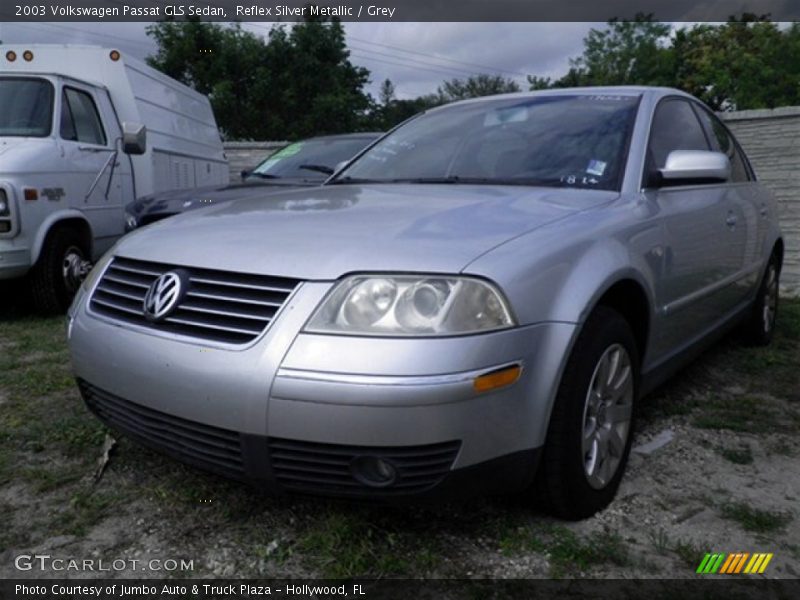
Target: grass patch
[
  {"x": 46, "y": 479},
  {"x": 566, "y": 550},
  {"x": 745, "y": 414},
  {"x": 699, "y": 391},
  {"x": 86, "y": 508},
  {"x": 660, "y": 540},
  {"x": 690, "y": 553},
  {"x": 755, "y": 519},
  {"x": 742, "y": 455},
  {"x": 346, "y": 543}
]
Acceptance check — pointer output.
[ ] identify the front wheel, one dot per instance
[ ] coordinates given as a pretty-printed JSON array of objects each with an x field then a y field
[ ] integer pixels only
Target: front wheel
[
  {"x": 58, "y": 273},
  {"x": 591, "y": 425}
]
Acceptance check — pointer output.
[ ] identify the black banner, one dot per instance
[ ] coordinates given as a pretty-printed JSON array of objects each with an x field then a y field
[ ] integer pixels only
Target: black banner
[
  {"x": 392, "y": 10},
  {"x": 712, "y": 587}
]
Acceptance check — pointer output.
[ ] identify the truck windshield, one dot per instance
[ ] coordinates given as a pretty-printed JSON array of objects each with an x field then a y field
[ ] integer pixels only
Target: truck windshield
[
  {"x": 26, "y": 107},
  {"x": 565, "y": 140}
]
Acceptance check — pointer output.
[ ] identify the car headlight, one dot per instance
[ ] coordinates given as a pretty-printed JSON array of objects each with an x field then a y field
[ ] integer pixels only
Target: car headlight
[
  {"x": 411, "y": 305},
  {"x": 5, "y": 210},
  {"x": 130, "y": 222}
]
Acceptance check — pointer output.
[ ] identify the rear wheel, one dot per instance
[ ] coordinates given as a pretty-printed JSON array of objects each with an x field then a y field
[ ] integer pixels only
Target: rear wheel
[
  {"x": 758, "y": 329},
  {"x": 58, "y": 273},
  {"x": 591, "y": 425}
]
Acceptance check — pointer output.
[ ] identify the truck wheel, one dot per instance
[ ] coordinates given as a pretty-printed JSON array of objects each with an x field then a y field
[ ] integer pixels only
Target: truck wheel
[
  {"x": 757, "y": 330},
  {"x": 591, "y": 425},
  {"x": 56, "y": 276}
]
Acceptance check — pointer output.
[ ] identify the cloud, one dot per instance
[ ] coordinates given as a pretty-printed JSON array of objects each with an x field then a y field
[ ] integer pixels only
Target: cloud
[{"x": 417, "y": 57}]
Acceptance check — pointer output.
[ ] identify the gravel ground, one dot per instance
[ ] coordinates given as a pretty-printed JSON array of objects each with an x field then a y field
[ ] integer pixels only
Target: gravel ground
[{"x": 715, "y": 468}]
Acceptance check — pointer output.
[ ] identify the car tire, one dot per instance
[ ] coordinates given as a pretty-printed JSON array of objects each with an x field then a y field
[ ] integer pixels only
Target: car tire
[
  {"x": 54, "y": 279},
  {"x": 758, "y": 328},
  {"x": 587, "y": 444}
]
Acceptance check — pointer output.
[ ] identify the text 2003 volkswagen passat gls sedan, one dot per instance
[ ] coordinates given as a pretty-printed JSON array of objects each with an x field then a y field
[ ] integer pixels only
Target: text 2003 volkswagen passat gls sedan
[{"x": 476, "y": 303}]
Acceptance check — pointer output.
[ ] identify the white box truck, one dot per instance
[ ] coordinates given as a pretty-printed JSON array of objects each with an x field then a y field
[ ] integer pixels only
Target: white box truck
[{"x": 83, "y": 132}]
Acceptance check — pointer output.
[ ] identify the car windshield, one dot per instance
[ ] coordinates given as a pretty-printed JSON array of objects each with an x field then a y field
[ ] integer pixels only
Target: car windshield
[
  {"x": 552, "y": 140},
  {"x": 27, "y": 107},
  {"x": 310, "y": 159}
]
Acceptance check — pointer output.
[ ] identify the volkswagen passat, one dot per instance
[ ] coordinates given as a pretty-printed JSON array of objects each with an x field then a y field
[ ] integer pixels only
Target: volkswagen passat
[{"x": 475, "y": 304}]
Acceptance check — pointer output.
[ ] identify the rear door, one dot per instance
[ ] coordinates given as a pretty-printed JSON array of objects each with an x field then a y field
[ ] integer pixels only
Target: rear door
[
  {"x": 746, "y": 204},
  {"x": 701, "y": 241}
]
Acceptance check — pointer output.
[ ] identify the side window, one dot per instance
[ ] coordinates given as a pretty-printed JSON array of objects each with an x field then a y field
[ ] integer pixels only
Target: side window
[
  {"x": 80, "y": 121},
  {"x": 675, "y": 127},
  {"x": 722, "y": 141}
]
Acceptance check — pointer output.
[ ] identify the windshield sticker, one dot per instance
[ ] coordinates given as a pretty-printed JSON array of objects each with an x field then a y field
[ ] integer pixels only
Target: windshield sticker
[
  {"x": 578, "y": 180},
  {"x": 596, "y": 167},
  {"x": 290, "y": 150},
  {"x": 267, "y": 165},
  {"x": 514, "y": 114}
]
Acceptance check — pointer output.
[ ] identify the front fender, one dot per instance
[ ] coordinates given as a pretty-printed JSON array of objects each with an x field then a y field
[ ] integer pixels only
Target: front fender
[
  {"x": 47, "y": 225},
  {"x": 572, "y": 270}
]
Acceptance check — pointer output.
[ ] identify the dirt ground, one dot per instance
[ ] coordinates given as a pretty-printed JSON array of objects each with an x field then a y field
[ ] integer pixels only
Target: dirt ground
[{"x": 715, "y": 468}]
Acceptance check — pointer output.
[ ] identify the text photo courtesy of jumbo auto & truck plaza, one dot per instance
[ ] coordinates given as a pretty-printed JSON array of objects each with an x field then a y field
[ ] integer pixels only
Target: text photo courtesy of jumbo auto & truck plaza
[{"x": 274, "y": 323}]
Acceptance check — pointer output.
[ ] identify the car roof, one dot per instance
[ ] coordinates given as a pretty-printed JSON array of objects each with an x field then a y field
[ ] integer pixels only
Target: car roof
[{"x": 618, "y": 90}]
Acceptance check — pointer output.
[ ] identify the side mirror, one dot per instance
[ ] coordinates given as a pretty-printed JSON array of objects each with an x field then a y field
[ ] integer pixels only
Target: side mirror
[
  {"x": 134, "y": 138},
  {"x": 695, "y": 166},
  {"x": 244, "y": 173}
]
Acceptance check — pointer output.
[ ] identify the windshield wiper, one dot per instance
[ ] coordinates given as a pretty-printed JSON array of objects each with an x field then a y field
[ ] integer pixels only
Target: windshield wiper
[
  {"x": 263, "y": 175},
  {"x": 318, "y": 168},
  {"x": 350, "y": 180}
]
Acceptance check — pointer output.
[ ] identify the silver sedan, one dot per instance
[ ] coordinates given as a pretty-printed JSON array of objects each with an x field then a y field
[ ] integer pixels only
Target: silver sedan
[{"x": 474, "y": 304}]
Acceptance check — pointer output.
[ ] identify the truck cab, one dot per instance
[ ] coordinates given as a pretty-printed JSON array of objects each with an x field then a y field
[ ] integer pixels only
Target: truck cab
[{"x": 70, "y": 161}]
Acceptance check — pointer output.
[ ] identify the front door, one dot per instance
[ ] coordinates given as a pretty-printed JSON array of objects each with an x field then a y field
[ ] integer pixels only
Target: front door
[
  {"x": 702, "y": 233},
  {"x": 97, "y": 176}
]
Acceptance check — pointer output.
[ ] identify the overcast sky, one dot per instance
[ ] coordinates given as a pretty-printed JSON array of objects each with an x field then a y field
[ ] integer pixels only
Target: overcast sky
[{"x": 417, "y": 57}]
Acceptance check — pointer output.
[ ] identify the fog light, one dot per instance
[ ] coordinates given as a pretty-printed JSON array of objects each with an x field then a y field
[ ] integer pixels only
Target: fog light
[{"x": 373, "y": 471}]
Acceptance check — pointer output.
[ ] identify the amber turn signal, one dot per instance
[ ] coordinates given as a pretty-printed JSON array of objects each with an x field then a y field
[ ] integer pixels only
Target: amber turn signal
[{"x": 497, "y": 379}]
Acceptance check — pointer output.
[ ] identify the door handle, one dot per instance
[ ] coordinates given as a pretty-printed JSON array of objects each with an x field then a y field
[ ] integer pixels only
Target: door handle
[
  {"x": 731, "y": 220},
  {"x": 763, "y": 210}
]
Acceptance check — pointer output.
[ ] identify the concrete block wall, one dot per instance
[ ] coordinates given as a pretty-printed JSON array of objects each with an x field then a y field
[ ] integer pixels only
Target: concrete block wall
[
  {"x": 246, "y": 155},
  {"x": 771, "y": 139}
]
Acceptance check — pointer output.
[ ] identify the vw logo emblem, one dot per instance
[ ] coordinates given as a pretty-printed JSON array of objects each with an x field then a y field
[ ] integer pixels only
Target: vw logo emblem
[{"x": 163, "y": 296}]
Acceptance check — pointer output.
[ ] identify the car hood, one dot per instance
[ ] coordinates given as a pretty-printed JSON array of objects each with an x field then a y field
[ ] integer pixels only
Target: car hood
[
  {"x": 322, "y": 233},
  {"x": 180, "y": 200}
]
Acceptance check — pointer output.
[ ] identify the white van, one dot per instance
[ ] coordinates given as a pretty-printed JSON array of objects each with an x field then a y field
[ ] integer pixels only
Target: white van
[{"x": 74, "y": 152}]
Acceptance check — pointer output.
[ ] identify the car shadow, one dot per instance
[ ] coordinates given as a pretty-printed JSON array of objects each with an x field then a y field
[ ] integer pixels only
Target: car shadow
[{"x": 15, "y": 300}]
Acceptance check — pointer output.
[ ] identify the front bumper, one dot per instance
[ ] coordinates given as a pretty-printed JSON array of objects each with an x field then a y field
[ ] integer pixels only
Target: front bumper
[
  {"x": 293, "y": 410},
  {"x": 14, "y": 261}
]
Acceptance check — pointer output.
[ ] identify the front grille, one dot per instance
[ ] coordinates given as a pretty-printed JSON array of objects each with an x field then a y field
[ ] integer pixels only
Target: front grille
[
  {"x": 212, "y": 448},
  {"x": 325, "y": 468},
  {"x": 218, "y": 306}
]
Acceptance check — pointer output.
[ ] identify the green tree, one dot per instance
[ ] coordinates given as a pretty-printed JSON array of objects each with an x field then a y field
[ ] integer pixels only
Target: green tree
[
  {"x": 746, "y": 63},
  {"x": 475, "y": 86},
  {"x": 224, "y": 63},
  {"x": 624, "y": 53},
  {"x": 294, "y": 84}
]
